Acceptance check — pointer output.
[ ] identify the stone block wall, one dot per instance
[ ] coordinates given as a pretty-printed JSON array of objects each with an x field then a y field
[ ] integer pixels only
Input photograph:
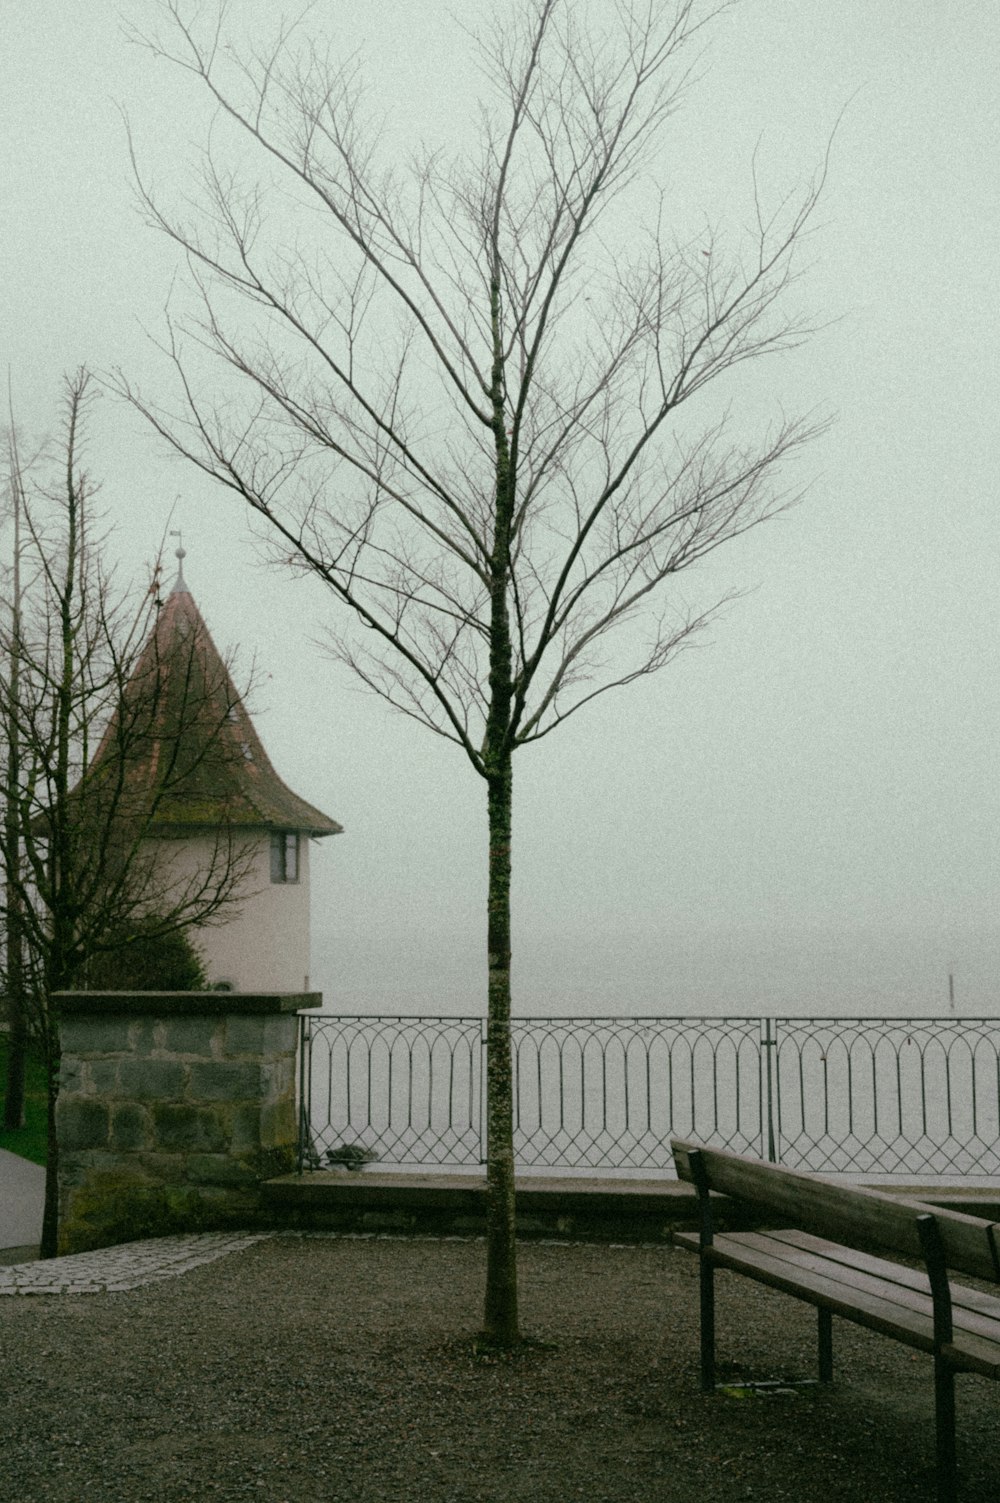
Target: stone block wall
[{"x": 173, "y": 1108}]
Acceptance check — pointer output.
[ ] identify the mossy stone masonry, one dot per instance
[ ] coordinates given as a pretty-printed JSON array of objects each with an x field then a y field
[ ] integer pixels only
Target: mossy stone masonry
[{"x": 174, "y": 1108}]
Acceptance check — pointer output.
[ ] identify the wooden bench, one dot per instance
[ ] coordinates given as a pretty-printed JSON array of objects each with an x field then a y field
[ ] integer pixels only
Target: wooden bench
[{"x": 958, "y": 1326}]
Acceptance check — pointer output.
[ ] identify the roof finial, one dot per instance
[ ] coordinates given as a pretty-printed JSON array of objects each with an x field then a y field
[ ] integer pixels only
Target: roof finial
[{"x": 180, "y": 554}]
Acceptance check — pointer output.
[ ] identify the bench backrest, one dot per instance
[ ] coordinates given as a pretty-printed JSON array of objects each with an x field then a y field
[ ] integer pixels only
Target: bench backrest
[{"x": 845, "y": 1213}]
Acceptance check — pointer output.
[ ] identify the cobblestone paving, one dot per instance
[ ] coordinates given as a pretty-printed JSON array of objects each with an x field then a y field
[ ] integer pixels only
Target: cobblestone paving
[{"x": 129, "y": 1266}]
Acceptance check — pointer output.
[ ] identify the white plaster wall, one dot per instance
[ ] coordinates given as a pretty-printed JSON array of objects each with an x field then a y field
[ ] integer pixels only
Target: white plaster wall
[{"x": 263, "y": 945}]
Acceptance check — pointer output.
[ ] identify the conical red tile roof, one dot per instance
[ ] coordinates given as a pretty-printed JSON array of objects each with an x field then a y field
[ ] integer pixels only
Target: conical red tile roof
[{"x": 198, "y": 757}]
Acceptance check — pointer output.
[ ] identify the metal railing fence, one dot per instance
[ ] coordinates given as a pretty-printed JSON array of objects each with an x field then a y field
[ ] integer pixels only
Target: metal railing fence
[{"x": 909, "y": 1096}]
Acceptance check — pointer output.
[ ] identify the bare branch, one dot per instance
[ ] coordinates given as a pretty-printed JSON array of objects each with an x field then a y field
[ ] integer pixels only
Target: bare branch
[{"x": 76, "y": 849}]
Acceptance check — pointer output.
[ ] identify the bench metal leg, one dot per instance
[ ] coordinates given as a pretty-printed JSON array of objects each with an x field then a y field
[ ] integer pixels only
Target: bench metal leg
[
  {"x": 707, "y": 1326},
  {"x": 944, "y": 1408},
  {"x": 825, "y": 1346}
]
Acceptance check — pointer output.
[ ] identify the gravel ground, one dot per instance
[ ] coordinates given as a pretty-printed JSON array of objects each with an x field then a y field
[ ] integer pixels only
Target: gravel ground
[{"x": 338, "y": 1370}]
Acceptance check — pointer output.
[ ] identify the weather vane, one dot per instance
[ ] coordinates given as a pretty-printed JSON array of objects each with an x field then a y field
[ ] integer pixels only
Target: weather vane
[{"x": 180, "y": 554}]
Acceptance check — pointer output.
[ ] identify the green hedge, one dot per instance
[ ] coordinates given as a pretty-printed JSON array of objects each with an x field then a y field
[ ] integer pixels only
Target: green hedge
[{"x": 31, "y": 1140}]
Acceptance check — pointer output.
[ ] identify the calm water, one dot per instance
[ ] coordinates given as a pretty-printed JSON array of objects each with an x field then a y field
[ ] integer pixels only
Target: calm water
[{"x": 875, "y": 973}]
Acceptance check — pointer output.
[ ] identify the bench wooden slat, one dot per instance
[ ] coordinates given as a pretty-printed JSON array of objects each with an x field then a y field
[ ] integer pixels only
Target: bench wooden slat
[
  {"x": 882, "y": 1279},
  {"x": 879, "y": 1281},
  {"x": 969, "y": 1351},
  {"x": 841, "y": 1211},
  {"x": 968, "y": 1354},
  {"x": 879, "y": 1313},
  {"x": 963, "y": 1298}
]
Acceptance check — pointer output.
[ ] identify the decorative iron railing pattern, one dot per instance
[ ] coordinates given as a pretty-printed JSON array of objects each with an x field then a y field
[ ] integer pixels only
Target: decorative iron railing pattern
[
  {"x": 856, "y": 1095},
  {"x": 898, "y": 1096},
  {"x": 408, "y": 1089}
]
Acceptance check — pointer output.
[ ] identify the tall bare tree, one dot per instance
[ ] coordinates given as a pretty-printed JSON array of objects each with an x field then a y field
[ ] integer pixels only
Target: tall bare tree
[
  {"x": 104, "y": 731},
  {"x": 457, "y": 384},
  {"x": 12, "y": 969}
]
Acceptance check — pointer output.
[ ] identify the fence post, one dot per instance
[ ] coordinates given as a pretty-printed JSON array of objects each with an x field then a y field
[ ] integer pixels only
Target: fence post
[
  {"x": 769, "y": 1042},
  {"x": 307, "y": 1156},
  {"x": 483, "y": 1146}
]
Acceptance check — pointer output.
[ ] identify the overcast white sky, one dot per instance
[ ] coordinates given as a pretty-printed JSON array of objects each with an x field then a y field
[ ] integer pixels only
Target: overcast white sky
[{"x": 803, "y": 814}]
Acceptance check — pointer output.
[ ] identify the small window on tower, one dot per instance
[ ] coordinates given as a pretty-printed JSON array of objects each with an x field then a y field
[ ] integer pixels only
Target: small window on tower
[{"x": 284, "y": 856}]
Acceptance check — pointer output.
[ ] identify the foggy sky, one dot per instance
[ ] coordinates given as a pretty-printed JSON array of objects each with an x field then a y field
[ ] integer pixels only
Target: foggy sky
[{"x": 801, "y": 814}]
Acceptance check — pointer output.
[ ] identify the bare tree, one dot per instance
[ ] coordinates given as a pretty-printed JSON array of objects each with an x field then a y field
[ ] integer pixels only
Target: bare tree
[
  {"x": 12, "y": 969},
  {"x": 457, "y": 382},
  {"x": 102, "y": 730}
]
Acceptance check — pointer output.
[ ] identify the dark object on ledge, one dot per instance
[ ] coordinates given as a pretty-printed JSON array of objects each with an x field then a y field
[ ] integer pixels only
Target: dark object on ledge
[{"x": 351, "y": 1155}]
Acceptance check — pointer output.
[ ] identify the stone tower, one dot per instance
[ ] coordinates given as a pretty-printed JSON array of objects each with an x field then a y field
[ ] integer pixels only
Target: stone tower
[{"x": 220, "y": 786}]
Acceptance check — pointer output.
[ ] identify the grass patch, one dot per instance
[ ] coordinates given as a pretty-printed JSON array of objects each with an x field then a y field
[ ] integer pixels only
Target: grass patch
[{"x": 31, "y": 1140}]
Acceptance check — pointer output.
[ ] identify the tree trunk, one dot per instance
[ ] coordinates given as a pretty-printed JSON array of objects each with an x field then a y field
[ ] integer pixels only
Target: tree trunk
[
  {"x": 50, "y": 1216},
  {"x": 500, "y": 1322},
  {"x": 17, "y": 1002}
]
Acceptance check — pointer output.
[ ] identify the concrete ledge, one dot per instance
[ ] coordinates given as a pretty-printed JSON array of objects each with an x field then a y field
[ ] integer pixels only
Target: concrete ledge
[
  {"x": 982, "y": 1200},
  {"x": 442, "y": 1205},
  {"x": 586, "y": 1210},
  {"x": 982, "y": 1203}
]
